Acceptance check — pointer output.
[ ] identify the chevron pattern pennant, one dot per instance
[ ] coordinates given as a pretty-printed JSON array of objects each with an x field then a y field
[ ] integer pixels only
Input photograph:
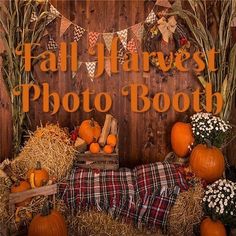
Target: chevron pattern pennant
[
  {"x": 108, "y": 37},
  {"x": 123, "y": 37},
  {"x": 108, "y": 67},
  {"x": 78, "y": 33},
  {"x": 151, "y": 18},
  {"x": 34, "y": 17},
  {"x": 54, "y": 11},
  {"x": 93, "y": 37},
  {"x": 52, "y": 45},
  {"x": 91, "y": 66},
  {"x": 138, "y": 31},
  {"x": 131, "y": 46},
  {"x": 121, "y": 55}
]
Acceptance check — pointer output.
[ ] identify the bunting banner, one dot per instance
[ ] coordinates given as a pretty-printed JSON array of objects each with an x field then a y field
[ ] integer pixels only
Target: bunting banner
[
  {"x": 138, "y": 31},
  {"x": 91, "y": 67},
  {"x": 93, "y": 37},
  {"x": 123, "y": 34},
  {"x": 65, "y": 24},
  {"x": 163, "y": 3},
  {"x": 78, "y": 33},
  {"x": 151, "y": 18},
  {"x": 131, "y": 46},
  {"x": 108, "y": 67},
  {"x": 121, "y": 55},
  {"x": 33, "y": 17},
  {"x": 52, "y": 45},
  {"x": 108, "y": 37},
  {"x": 54, "y": 11}
]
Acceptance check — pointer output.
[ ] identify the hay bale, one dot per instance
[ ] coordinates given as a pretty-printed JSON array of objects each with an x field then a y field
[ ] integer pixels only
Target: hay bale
[
  {"x": 93, "y": 222},
  {"x": 187, "y": 212},
  {"x": 51, "y": 146}
]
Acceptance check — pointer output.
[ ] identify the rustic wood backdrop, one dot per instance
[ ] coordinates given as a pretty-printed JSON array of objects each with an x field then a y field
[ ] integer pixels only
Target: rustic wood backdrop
[{"x": 143, "y": 137}]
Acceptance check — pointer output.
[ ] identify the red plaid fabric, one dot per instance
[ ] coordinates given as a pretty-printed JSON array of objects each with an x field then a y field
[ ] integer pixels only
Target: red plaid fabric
[{"x": 143, "y": 195}]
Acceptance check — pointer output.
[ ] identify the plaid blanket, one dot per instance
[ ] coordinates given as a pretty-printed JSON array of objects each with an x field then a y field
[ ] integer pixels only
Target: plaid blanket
[{"x": 143, "y": 195}]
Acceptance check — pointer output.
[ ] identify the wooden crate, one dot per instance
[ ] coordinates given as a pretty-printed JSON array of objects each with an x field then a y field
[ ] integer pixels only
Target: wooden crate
[{"x": 101, "y": 161}]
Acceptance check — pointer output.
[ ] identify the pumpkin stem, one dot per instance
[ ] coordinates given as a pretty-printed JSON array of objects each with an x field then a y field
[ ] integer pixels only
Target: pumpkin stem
[
  {"x": 208, "y": 143},
  {"x": 92, "y": 122},
  {"x": 45, "y": 209},
  {"x": 38, "y": 165}
]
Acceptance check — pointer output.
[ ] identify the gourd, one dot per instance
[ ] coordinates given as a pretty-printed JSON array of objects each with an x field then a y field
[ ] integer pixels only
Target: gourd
[
  {"x": 38, "y": 176},
  {"x": 21, "y": 186},
  {"x": 207, "y": 162},
  {"x": 48, "y": 223},
  {"x": 210, "y": 227},
  {"x": 89, "y": 131},
  {"x": 108, "y": 149},
  {"x": 112, "y": 140},
  {"x": 181, "y": 138}
]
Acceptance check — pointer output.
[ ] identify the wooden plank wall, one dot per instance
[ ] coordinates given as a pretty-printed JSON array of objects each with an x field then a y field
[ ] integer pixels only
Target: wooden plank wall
[{"x": 144, "y": 137}]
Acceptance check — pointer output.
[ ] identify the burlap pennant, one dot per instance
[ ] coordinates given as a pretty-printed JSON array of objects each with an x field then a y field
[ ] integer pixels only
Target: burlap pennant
[
  {"x": 93, "y": 37},
  {"x": 138, "y": 31},
  {"x": 52, "y": 45},
  {"x": 123, "y": 37},
  {"x": 78, "y": 33},
  {"x": 91, "y": 67},
  {"x": 33, "y": 17},
  {"x": 131, "y": 46},
  {"x": 163, "y": 3},
  {"x": 108, "y": 66},
  {"x": 65, "y": 24},
  {"x": 108, "y": 37},
  {"x": 151, "y": 18}
]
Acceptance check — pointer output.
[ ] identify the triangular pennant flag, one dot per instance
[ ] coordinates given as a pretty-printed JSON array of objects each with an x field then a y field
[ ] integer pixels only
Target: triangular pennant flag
[
  {"x": 151, "y": 17},
  {"x": 123, "y": 37},
  {"x": 78, "y": 32},
  {"x": 131, "y": 46},
  {"x": 93, "y": 37},
  {"x": 121, "y": 55},
  {"x": 54, "y": 11},
  {"x": 108, "y": 37},
  {"x": 108, "y": 67},
  {"x": 163, "y": 3},
  {"x": 33, "y": 17},
  {"x": 52, "y": 45},
  {"x": 138, "y": 31},
  {"x": 65, "y": 23},
  {"x": 91, "y": 66}
]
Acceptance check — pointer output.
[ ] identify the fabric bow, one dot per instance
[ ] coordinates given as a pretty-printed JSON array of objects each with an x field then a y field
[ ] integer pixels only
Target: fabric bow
[{"x": 167, "y": 27}]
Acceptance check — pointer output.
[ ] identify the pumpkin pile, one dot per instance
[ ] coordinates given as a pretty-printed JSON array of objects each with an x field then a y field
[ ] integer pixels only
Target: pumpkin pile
[{"x": 89, "y": 137}]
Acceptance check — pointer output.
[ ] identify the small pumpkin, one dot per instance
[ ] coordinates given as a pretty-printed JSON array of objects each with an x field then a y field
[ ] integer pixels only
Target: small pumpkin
[
  {"x": 112, "y": 140},
  {"x": 89, "y": 131},
  {"x": 207, "y": 162},
  {"x": 94, "y": 148},
  {"x": 108, "y": 149},
  {"x": 181, "y": 138},
  {"x": 21, "y": 186},
  {"x": 210, "y": 227},
  {"x": 48, "y": 223},
  {"x": 38, "y": 176}
]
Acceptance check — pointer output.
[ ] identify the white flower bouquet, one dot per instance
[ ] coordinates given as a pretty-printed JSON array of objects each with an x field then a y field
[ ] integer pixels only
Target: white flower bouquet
[
  {"x": 220, "y": 201},
  {"x": 209, "y": 128}
]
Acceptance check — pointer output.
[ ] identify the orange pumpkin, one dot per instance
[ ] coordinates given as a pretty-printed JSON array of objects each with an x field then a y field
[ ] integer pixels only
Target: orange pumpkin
[
  {"x": 21, "y": 186},
  {"x": 38, "y": 176},
  {"x": 112, "y": 140},
  {"x": 89, "y": 131},
  {"x": 207, "y": 162},
  {"x": 108, "y": 149},
  {"x": 48, "y": 223},
  {"x": 94, "y": 148},
  {"x": 210, "y": 227},
  {"x": 181, "y": 138}
]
